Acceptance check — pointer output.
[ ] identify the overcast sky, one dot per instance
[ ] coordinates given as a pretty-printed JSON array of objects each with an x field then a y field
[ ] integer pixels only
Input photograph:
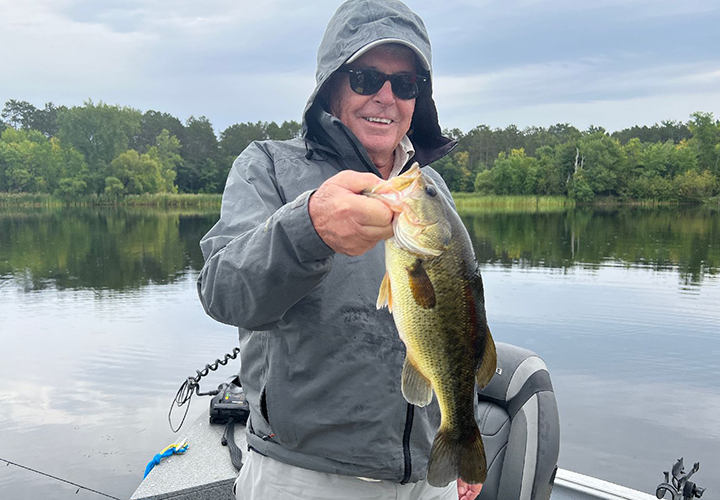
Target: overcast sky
[{"x": 610, "y": 63}]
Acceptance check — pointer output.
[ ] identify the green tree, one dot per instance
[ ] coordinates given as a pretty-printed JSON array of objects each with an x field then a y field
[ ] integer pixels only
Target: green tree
[
  {"x": 71, "y": 189},
  {"x": 484, "y": 182},
  {"x": 705, "y": 136},
  {"x": 455, "y": 172},
  {"x": 45, "y": 120},
  {"x": 237, "y": 137},
  {"x": 684, "y": 158},
  {"x": 647, "y": 166},
  {"x": 167, "y": 152},
  {"x": 603, "y": 161},
  {"x": 200, "y": 150},
  {"x": 551, "y": 178},
  {"x": 564, "y": 132},
  {"x": 579, "y": 188},
  {"x": 138, "y": 173},
  {"x": 152, "y": 123},
  {"x": 692, "y": 186},
  {"x": 284, "y": 132},
  {"x": 114, "y": 187},
  {"x": 537, "y": 137},
  {"x": 30, "y": 162},
  {"x": 515, "y": 174},
  {"x": 481, "y": 145},
  {"x": 101, "y": 133},
  {"x": 668, "y": 130},
  {"x": 18, "y": 114},
  {"x": 455, "y": 134},
  {"x": 211, "y": 177}
]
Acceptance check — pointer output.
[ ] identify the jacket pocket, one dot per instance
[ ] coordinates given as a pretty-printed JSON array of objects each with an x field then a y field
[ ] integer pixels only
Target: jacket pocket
[{"x": 276, "y": 409}]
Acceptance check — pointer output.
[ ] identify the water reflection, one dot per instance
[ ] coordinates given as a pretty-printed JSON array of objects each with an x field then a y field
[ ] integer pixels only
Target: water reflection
[
  {"x": 99, "y": 249},
  {"x": 87, "y": 378},
  {"x": 125, "y": 249},
  {"x": 686, "y": 239},
  {"x": 101, "y": 323}
]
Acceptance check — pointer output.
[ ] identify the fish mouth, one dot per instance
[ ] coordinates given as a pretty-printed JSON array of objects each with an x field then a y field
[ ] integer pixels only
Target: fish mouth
[
  {"x": 393, "y": 191},
  {"x": 407, "y": 226}
]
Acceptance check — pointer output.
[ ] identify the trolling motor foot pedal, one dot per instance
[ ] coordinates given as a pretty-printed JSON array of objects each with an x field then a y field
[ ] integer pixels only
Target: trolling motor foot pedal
[{"x": 229, "y": 403}]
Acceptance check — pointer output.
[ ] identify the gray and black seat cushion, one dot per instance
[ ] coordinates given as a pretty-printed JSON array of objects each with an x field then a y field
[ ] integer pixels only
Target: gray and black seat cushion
[{"x": 518, "y": 418}]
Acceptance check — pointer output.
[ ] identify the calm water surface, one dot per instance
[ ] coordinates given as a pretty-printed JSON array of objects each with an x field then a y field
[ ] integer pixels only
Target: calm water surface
[{"x": 100, "y": 325}]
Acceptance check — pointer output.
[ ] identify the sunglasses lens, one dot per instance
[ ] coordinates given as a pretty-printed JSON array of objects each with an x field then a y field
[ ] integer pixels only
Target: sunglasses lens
[
  {"x": 405, "y": 86},
  {"x": 366, "y": 82}
]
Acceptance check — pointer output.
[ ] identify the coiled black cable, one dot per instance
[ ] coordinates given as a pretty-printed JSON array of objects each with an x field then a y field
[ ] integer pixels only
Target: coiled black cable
[{"x": 192, "y": 386}]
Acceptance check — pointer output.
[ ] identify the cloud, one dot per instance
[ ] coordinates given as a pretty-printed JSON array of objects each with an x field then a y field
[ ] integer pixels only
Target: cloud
[
  {"x": 246, "y": 61},
  {"x": 594, "y": 91},
  {"x": 53, "y": 53},
  {"x": 48, "y": 406}
]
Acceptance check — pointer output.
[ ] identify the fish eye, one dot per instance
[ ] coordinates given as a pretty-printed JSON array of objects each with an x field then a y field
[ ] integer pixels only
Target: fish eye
[{"x": 431, "y": 191}]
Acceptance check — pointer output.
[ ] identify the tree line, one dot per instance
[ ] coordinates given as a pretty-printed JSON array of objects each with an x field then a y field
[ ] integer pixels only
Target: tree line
[
  {"x": 110, "y": 150},
  {"x": 671, "y": 161}
]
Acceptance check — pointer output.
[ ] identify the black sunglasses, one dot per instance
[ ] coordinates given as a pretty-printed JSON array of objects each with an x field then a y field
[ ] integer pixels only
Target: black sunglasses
[{"x": 369, "y": 81}]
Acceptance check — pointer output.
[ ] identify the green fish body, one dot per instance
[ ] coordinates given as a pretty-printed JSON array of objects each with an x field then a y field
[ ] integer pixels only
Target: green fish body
[{"x": 434, "y": 291}]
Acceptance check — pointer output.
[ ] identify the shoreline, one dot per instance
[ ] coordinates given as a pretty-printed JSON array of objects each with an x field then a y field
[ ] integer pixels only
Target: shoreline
[{"x": 465, "y": 202}]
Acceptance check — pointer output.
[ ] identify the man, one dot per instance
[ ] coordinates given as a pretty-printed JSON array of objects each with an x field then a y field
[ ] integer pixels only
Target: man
[{"x": 296, "y": 262}]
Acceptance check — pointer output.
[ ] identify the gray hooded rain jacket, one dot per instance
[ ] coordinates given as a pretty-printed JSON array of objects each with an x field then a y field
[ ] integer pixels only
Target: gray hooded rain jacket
[{"x": 320, "y": 365}]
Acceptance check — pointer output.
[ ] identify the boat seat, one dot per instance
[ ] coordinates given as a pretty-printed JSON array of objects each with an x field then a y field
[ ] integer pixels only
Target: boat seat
[{"x": 518, "y": 418}]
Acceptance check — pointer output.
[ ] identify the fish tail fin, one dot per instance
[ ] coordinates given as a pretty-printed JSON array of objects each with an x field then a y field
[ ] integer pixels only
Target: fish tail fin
[
  {"x": 454, "y": 456},
  {"x": 473, "y": 464}
]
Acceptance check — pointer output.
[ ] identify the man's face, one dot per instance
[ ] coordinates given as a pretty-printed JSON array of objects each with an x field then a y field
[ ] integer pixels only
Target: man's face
[{"x": 367, "y": 115}]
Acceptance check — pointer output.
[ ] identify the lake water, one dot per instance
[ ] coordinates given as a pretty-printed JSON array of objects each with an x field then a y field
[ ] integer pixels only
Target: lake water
[{"x": 100, "y": 324}]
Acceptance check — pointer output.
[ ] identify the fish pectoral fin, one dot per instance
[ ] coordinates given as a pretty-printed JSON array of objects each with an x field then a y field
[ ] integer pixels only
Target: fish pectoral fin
[
  {"x": 416, "y": 388},
  {"x": 421, "y": 287},
  {"x": 385, "y": 295},
  {"x": 488, "y": 363}
]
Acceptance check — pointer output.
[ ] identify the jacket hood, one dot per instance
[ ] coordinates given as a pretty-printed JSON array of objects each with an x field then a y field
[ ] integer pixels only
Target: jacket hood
[{"x": 356, "y": 25}]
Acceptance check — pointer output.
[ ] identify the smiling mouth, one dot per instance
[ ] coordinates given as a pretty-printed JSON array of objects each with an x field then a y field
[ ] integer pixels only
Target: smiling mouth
[{"x": 372, "y": 119}]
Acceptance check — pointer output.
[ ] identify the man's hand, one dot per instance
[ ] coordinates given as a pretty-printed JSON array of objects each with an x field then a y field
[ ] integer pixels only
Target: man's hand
[
  {"x": 467, "y": 491},
  {"x": 347, "y": 221}
]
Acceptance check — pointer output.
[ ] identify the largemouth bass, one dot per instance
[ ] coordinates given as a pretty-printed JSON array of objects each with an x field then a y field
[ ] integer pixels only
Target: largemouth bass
[{"x": 432, "y": 287}]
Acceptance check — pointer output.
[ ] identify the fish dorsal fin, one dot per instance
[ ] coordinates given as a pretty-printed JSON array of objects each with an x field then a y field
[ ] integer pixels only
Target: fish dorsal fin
[
  {"x": 385, "y": 295},
  {"x": 488, "y": 363},
  {"x": 420, "y": 285},
  {"x": 416, "y": 388}
]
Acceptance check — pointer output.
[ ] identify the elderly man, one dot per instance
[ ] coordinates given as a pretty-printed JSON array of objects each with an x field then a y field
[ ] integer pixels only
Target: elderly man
[{"x": 295, "y": 263}]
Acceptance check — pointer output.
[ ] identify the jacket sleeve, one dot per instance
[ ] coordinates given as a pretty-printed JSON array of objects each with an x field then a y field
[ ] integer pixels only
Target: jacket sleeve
[{"x": 264, "y": 254}]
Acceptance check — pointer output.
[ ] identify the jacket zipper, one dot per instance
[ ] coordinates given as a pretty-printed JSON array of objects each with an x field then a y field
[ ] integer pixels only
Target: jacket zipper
[
  {"x": 410, "y": 408},
  {"x": 406, "y": 443}
]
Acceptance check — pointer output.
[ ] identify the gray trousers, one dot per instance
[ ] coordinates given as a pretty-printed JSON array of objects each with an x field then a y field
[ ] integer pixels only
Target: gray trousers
[{"x": 262, "y": 478}]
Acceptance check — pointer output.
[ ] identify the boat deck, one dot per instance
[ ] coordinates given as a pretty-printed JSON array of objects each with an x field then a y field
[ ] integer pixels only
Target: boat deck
[{"x": 206, "y": 472}]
